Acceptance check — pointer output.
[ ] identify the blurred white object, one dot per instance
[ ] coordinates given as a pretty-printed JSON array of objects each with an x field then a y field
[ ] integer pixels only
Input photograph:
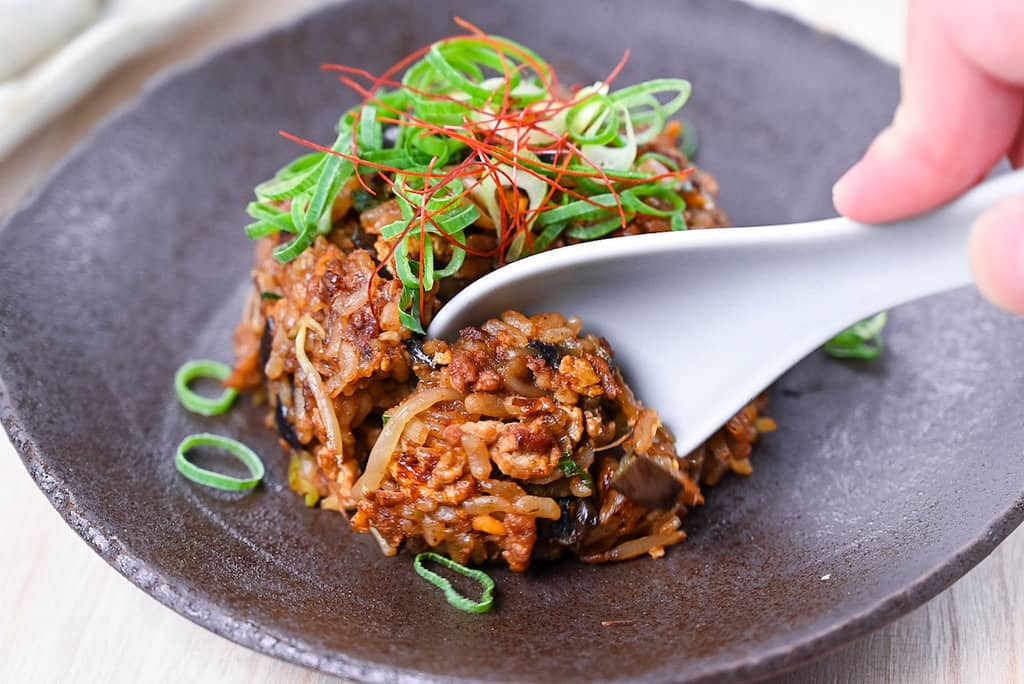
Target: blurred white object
[
  {"x": 878, "y": 26},
  {"x": 29, "y": 29},
  {"x": 55, "y": 50}
]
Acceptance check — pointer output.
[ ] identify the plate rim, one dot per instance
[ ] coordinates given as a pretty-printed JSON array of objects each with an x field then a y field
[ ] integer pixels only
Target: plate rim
[
  {"x": 210, "y": 616},
  {"x": 98, "y": 48}
]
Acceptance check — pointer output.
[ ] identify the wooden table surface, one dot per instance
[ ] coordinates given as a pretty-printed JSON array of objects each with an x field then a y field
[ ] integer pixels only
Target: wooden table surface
[{"x": 69, "y": 616}]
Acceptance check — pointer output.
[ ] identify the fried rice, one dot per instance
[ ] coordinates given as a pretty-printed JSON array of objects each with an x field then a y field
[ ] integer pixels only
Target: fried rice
[{"x": 519, "y": 441}]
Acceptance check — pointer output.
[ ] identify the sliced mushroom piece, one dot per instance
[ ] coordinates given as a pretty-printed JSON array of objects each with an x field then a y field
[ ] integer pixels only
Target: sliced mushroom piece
[
  {"x": 415, "y": 348},
  {"x": 578, "y": 516},
  {"x": 284, "y": 427},
  {"x": 645, "y": 482},
  {"x": 266, "y": 342},
  {"x": 551, "y": 353}
]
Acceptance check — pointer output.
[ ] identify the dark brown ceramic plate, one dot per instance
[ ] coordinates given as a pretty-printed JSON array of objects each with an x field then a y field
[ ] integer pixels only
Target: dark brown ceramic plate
[{"x": 891, "y": 478}]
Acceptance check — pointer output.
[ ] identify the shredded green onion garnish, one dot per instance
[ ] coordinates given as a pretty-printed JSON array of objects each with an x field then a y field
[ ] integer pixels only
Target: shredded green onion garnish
[
  {"x": 691, "y": 140},
  {"x": 570, "y": 468},
  {"x": 861, "y": 341},
  {"x": 218, "y": 480},
  {"x": 196, "y": 403},
  {"x": 478, "y": 131},
  {"x": 452, "y": 595}
]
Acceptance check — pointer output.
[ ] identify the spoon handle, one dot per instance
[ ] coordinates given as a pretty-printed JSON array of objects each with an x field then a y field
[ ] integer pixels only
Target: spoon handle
[
  {"x": 723, "y": 313},
  {"x": 873, "y": 267},
  {"x": 815, "y": 279}
]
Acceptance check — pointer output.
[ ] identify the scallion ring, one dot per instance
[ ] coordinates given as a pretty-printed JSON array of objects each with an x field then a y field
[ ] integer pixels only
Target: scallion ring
[
  {"x": 691, "y": 140},
  {"x": 597, "y": 229},
  {"x": 218, "y": 480},
  {"x": 451, "y": 594},
  {"x": 196, "y": 403},
  {"x": 633, "y": 199},
  {"x": 594, "y": 120},
  {"x": 861, "y": 341}
]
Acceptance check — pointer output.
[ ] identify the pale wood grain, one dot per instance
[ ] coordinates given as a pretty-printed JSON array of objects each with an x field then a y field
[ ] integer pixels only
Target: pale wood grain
[{"x": 68, "y": 616}]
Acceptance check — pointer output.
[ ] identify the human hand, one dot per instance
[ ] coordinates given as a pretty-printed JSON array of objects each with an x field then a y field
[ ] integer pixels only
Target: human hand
[{"x": 962, "y": 111}]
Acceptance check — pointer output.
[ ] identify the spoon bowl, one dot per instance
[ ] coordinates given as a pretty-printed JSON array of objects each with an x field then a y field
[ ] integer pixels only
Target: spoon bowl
[{"x": 702, "y": 321}]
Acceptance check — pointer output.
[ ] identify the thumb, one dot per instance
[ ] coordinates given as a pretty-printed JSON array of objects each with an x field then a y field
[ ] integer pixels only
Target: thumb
[{"x": 997, "y": 254}]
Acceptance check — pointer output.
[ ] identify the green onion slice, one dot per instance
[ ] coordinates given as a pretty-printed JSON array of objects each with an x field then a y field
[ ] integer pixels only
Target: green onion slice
[
  {"x": 595, "y": 230},
  {"x": 429, "y": 139},
  {"x": 292, "y": 179},
  {"x": 691, "y": 140},
  {"x": 218, "y": 480},
  {"x": 594, "y": 120},
  {"x": 642, "y": 95},
  {"x": 861, "y": 341},
  {"x": 571, "y": 468},
  {"x": 196, "y": 403},
  {"x": 452, "y": 595}
]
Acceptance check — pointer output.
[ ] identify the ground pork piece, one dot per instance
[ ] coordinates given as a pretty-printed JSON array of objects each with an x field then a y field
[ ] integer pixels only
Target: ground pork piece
[
  {"x": 521, "y": 536},
  {"x": 384, "y": 214},
  {"x": 526, "y": 451}
]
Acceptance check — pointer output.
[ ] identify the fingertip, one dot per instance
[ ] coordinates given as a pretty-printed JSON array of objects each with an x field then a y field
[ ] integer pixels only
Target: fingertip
[
  {"x": 849, "y": 194},
  {"x": 997, "y": 255},
  {"x": 840, "y": 192},
  {"x": 899, "y": 176},
  {"x": 857, "y": 194},
  {"x": 875, "y": 189}
]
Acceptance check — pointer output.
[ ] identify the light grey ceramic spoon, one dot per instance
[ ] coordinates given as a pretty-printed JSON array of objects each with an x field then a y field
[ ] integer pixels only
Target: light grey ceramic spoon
[{"x": 701, "y": 321}]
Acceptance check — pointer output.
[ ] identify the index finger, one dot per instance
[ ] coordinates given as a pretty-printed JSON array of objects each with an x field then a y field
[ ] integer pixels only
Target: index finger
[{"x": 955, "y": 122}]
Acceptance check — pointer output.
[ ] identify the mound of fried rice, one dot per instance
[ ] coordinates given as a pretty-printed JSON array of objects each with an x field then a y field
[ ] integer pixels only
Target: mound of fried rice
[{"x": 519, "y": 441}]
